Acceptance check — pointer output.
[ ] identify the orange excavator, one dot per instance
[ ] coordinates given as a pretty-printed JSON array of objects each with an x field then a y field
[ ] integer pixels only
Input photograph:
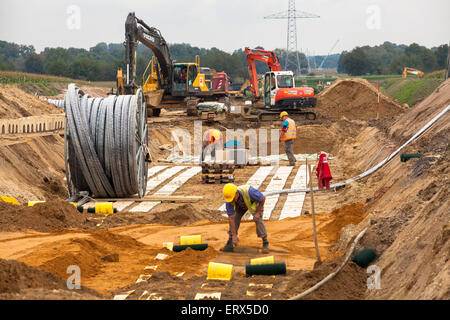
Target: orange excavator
[{"x": 279, "y": 91}]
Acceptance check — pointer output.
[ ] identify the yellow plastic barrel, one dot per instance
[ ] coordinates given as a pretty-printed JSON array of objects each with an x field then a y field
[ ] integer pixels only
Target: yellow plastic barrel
[
  {"x": 32, "y": 203},
  {"x": 186, "y": 240},
  {"x": 219, "y": 271},
  {"x": 105, "y": 208},
  {"x": 9, "y": 199},
  {"x": 263, "y": 260}
]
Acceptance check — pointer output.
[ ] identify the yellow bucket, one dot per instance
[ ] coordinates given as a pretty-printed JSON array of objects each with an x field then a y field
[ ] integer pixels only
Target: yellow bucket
[
  {"x": 186, "y": 240},
  {"x": 105, "y": 208},
  {"x": 10, "y": 199},
  {"x": 32, "y": 203},
  {"x": 263, "y": 260},
  {"x": 219, "y": 271}
]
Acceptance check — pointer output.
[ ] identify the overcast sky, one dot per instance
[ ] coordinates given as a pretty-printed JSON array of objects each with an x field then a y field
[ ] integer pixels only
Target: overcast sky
[{"x": 227, "y": 24}]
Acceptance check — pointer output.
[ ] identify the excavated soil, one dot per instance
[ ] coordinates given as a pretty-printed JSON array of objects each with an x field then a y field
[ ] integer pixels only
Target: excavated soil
[
  {"x": 43, "y": 217},
  {"x": 355, "y": 99},
  {"x": 19, "y": 281},
  {"x": 404, "y": 206},
  {"x": 14, "y": 103}
]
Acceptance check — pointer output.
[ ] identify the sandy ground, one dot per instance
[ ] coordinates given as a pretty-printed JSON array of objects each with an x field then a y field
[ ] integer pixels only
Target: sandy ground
[{"x": 404, "y": 205}]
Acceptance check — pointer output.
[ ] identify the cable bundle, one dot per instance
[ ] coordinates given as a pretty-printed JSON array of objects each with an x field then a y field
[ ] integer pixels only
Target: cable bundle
[{"x": 106, "y": 144}]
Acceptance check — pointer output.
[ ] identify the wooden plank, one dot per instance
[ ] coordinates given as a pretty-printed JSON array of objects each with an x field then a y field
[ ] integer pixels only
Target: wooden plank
[
  {"x": 178, "y": 181},
  {"x": 144, "y": 206},
  {"x": 294, "y": 201},
  {"x": 155, "y": 197},
  {"x": 277, "y": 183},
  {"x": 163, "y": 177}
]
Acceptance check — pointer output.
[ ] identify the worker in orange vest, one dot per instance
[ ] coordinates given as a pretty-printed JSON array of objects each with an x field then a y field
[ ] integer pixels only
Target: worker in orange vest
[
  {"x": 212, "y": 139},
  {"x": 288, "y": 135}
]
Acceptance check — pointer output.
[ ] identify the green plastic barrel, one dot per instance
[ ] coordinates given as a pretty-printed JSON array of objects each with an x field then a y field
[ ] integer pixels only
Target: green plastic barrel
[
  {"x": 365, "y": 257},
  {"x": 265, "y": 269},
  {"x": 200, "y": 247}
]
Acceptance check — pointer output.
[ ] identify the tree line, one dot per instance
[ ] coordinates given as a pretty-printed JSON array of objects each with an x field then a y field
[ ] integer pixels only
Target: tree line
[
  {"x": 100, "y": 63},
  {"x": 390, "y": 58}
]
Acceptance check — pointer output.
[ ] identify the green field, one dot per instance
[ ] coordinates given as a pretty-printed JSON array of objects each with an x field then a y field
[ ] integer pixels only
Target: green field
[{"x": 45, "y": 85}]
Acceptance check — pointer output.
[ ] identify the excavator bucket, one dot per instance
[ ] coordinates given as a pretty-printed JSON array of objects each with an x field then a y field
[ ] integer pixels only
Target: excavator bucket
[{"x": 153, "y": 98}]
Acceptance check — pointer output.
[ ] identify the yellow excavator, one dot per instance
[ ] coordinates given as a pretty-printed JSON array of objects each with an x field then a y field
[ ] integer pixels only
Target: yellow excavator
[
  {"x": 168, "y": 82},
  {"x": 416, "y": 72}
]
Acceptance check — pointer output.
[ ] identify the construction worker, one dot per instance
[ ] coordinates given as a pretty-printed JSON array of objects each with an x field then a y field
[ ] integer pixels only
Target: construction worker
[
  {"x": 212, "y": 139},
  {"x": 239, "y": 200},
  {"x": 323, "y": 172},
  {"x": 288, "y": 135}
]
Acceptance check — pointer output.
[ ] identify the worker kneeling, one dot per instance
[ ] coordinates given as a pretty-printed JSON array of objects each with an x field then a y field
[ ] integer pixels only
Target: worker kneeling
[{"x": 239, "y": 200}]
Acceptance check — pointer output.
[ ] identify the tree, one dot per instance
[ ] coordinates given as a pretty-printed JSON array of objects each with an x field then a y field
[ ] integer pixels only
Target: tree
[
  {"x": 58, "y": 68},
  {"x": 34, "y": 64},
  {"x": 355, "y": 62}
]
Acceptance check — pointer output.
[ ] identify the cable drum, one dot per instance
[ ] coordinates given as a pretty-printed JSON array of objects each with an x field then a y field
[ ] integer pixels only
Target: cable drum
[{"x": 105, "y": 144}]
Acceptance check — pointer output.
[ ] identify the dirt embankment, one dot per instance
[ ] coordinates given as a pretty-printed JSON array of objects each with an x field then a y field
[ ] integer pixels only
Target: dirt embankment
[
  {"x": 355, "y": 99},
  {"x": 19, "y": 281},
  {"x": 14, "y": 103}
]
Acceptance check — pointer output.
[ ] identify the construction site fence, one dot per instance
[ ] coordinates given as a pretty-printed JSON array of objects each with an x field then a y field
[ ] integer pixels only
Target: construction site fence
[{"x": 33, "y": 124}]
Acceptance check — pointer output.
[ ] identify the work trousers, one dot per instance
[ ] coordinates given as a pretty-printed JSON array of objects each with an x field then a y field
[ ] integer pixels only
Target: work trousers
[
  {"x": 324, "y": 183},
  {"x": 288, "y": 148},
  {"x": 260, "y": 227}
]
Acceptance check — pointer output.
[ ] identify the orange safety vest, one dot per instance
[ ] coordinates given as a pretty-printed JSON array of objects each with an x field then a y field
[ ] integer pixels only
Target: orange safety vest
[{"x": 291, "y": 132}]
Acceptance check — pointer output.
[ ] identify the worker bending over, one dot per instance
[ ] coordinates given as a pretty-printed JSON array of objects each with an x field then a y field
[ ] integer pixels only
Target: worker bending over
[
  {"x": 212, "y": 139},
  {"x": 239, "y": 200},
  {"x": 288, "y": 135}
]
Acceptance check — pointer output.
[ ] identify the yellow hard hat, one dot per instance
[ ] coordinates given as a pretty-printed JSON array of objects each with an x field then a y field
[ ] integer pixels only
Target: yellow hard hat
[
  {"x": 284, "y": 113},
  {"x": 229, "y": 191}
]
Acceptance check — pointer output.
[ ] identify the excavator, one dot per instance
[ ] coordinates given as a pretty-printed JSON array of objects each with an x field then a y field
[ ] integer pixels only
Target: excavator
[
  {"x": 279, "y": 91},
  {"x": 168, "y": 83},
  {"x": 407, "y": 70}
]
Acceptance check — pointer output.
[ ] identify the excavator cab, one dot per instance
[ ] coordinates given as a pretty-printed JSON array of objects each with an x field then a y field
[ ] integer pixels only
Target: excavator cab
[{"x": 188, "y": 79}]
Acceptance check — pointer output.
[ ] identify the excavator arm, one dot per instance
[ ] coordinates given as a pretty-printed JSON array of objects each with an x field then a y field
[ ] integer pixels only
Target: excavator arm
[
  {"x": 268, "y": 57},
  {"x": 137, "y": 30}
]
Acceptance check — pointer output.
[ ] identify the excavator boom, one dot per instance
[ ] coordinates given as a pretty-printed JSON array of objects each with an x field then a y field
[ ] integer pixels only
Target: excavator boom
[{"x": 268, "y": 57}]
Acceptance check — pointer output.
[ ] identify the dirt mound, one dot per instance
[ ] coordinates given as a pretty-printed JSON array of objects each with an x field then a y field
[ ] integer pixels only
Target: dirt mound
[
  {"x": 20, "y": 281},
  {"x": 185, "y": 215},
  {"x": 32, "y": 168},
  {"x": 181, "y": 216},
  {"x": 348, "y": 284},
  {"x": 15, "y": 103},
  {"x": 355, "y": 99},
  {"x": 44, "y": 217}
]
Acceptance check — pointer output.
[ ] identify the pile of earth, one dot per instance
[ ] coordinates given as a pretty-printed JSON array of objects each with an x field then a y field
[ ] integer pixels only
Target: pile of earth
[
  {"x": 181, "y": 216},
  {"x": 43, "y": 217},
  {"x": 15, "y": 103},
  {"x": 355, "y": 99},
  {"x": 20, "y": 281}
]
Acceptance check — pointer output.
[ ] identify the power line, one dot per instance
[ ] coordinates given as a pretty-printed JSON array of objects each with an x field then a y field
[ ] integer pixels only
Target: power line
[{"x": 291, "y": 48}]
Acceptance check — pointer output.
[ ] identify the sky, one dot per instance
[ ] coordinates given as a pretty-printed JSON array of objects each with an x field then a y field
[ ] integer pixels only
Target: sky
[{"x": 228, "y": 24}]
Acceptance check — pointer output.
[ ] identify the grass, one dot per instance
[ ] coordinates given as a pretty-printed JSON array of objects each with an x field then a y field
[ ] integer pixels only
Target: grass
[{"x": 47, "y": 85}]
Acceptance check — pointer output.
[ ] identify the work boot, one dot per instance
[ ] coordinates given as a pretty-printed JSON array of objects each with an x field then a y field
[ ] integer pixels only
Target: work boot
[
  {"x": 265, "y": 246},
  {"x": 229, "y": 246}
]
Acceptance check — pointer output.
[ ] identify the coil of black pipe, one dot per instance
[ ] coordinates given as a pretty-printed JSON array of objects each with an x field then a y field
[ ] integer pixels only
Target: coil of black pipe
[{"x": 106, "y": 144}]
